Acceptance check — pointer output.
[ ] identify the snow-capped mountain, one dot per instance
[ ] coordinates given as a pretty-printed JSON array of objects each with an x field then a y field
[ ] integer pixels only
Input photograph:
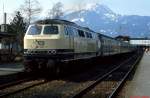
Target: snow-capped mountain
[{"x": 102, "y": 19}]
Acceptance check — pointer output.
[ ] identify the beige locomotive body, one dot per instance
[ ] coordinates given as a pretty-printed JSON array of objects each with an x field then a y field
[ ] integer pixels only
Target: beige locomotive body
[{"x": 66, "y": 43}]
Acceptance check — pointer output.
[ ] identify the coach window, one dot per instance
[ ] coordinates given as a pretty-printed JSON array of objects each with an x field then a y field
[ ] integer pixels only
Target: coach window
[
  {"x": 90, "y": 35},
  {"x": 81, "y": 33},
  {"x": 66, "y": 30},
  {"x": 75, "y": 32},
  {"x": 87, "y": 34},
  {"x": 99, "y": 36},
  {"x": 71, "y": 33},
  {"x": 93, "y": 35}
]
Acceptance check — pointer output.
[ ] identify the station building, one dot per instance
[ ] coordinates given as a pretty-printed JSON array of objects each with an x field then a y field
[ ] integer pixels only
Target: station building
[
  {"x": 7, "y": 44},
  {"x": 141, "y": 42}
]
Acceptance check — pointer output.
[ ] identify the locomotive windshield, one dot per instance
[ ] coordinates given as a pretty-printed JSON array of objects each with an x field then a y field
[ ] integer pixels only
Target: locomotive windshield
[
  {"x": 34, "y": 30},
  {"x": 50, "y": 30}
]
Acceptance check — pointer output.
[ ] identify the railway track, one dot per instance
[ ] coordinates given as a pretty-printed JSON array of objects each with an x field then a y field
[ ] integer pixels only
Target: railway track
[
  {"x": 18, "y": 86},
  {"x": 124, "y": 78},
  {"x": 113, "y": 90},
  {"x": 18, "y": 82},
  {"x": 12, "y": 79},
  {"x": 68, "y": 88},
  {"x": 5, "y": 85}
]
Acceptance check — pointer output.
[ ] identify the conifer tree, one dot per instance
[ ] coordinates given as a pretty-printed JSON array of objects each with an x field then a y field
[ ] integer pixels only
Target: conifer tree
[{"x": 18, "y": 27}]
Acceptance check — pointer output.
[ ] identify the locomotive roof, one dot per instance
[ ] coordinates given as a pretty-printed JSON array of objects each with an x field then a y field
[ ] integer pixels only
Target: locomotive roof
[
  {"x": 55, "y": 21},
  {"x": 60, "y": 21},
  {"x": 6, "y": 34}
]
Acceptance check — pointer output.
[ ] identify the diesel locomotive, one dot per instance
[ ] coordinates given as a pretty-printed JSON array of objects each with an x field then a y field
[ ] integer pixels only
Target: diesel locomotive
[{"x": 53, "y": 40}]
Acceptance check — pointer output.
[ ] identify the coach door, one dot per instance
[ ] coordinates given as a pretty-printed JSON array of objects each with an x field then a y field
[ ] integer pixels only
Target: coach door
[{"x": 100, "y": 44}]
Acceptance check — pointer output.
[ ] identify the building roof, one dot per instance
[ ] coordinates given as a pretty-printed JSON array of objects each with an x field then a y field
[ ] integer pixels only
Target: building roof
[
  {"x": 139, "y": 38},
  {"x": 5, "y": 34}
]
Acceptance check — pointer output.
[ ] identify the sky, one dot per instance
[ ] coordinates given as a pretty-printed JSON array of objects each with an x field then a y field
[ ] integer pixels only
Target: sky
[{"x": 123, "y": 7}]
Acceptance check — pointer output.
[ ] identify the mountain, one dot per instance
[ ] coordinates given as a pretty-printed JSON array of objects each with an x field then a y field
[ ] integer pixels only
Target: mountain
[{"x": 102, "y": 19}]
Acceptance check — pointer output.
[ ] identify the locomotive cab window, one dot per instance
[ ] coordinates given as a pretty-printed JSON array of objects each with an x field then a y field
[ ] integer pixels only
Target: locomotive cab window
[
  {"x": 50, "y": 30},
  {"x": 34, "y": 30}
]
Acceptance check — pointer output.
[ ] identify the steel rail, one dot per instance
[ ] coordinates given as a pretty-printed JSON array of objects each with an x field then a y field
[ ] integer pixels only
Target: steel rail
[
  {"x": 100, "y": 78},
  {"x": 121, "y": 83},
  {"x": 3, "y": 86},
  {"x": 20, "y": 77},
  {"x": 21, "y": 89}
]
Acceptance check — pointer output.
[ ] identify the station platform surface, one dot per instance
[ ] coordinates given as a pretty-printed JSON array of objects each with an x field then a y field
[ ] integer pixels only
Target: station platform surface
[
  {"x": 6, "y": 69},
  {"x": 139, "y": 86}
]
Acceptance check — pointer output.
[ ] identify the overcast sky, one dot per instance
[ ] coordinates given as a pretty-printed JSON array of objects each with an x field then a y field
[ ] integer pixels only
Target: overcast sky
[{"x": 123, "y": 7}]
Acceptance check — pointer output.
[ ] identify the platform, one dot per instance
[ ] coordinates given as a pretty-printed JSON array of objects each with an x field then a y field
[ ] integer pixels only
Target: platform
[
  {"x": 11, "y": 68},
  {"x": 139, "y": 87}
]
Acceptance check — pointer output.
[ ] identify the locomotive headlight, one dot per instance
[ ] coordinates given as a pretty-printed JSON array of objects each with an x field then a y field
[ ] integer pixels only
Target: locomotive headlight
[
  {"x": 52, "y": 51},
  {"x": 25, "y": 51},
  {"x": 29, "y": 51}
]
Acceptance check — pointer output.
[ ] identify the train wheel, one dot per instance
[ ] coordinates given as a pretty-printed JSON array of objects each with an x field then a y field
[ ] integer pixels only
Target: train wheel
[
  {"x": 30, "y": 66},
  {"x": 58, "y": 70},
  {"x": 26, "y": 66},
  {"x": 50, "y": 64},
  {"x": 51, "y": 68}
]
